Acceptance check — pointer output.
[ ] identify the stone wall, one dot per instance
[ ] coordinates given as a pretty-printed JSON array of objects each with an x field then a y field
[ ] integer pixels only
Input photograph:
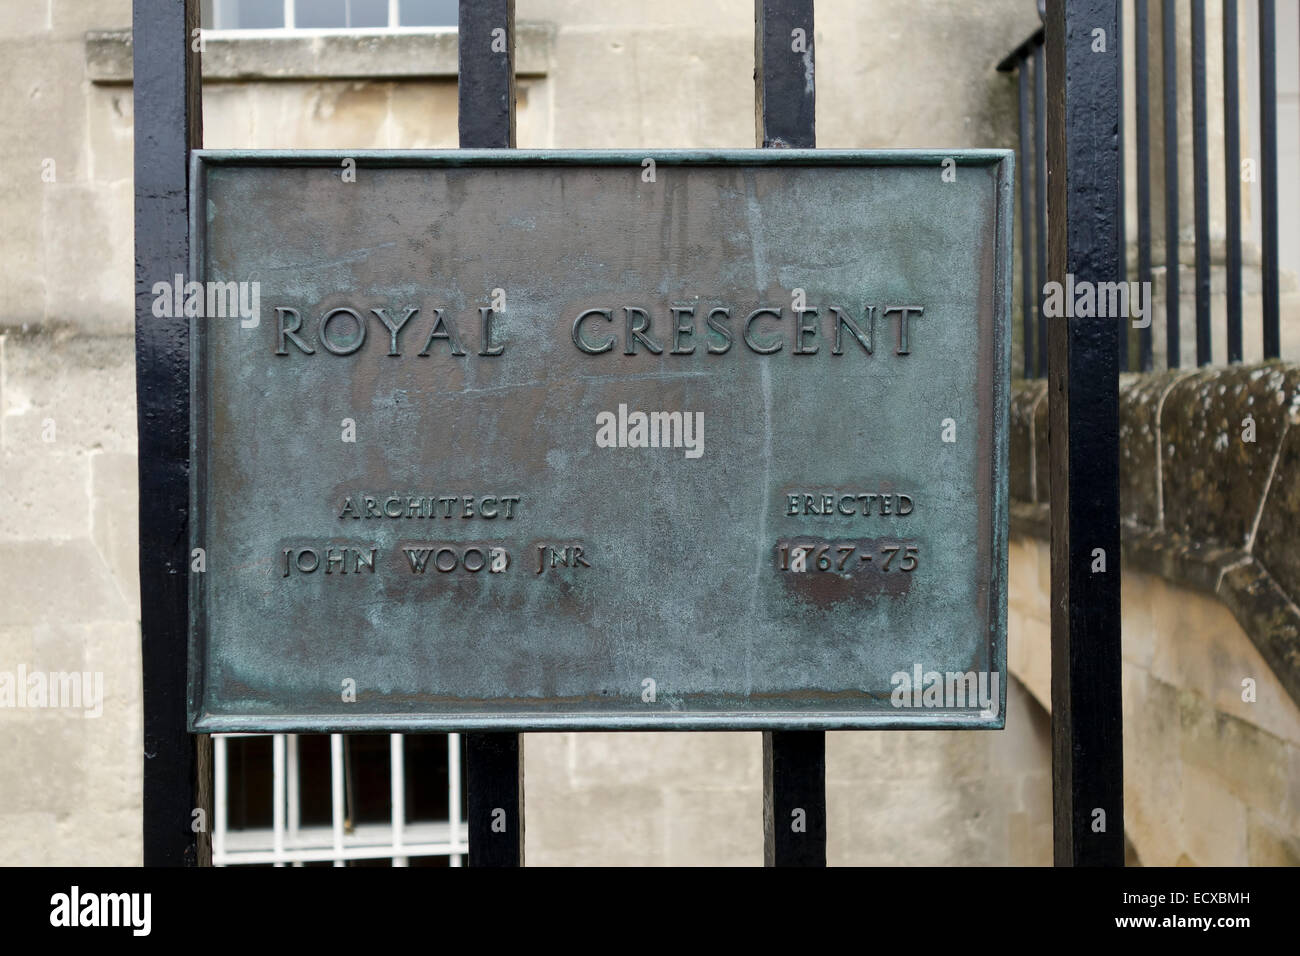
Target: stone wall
[
  {"x": 69, "y": 596},
  {"x": 894, "y": 798},
  {"x": 1211, "y": 631},
  {"x": 593, "y": 74},
  {"x": 596, "y": 75}
]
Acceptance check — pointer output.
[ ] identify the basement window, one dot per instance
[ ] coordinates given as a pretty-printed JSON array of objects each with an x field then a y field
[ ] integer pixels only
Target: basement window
[{"x": 304, "y": 15}]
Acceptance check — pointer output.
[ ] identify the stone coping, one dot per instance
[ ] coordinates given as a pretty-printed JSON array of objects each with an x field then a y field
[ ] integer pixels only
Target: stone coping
[
  {"x": 1209, "y": 489},
  {"x": 262, "y": 55}
]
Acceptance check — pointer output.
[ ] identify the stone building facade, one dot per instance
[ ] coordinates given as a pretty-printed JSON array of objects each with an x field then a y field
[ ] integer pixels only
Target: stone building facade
[{"x": 1209, "y": 778}]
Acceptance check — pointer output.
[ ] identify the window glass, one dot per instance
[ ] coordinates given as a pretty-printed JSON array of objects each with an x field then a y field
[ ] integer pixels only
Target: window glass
[
  {"x": 430, "y": 13},
  {"x": 367, "y": 13},
  {"x": 245, "y": 15},
  {"x": 320, "y": 13},
  {"x": 336, "y": 14},
  {"x": 325, "y": 14}
]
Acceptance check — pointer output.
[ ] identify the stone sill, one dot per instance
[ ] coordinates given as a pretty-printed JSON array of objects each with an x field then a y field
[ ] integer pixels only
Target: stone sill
[{"x": 413, "y": 54}]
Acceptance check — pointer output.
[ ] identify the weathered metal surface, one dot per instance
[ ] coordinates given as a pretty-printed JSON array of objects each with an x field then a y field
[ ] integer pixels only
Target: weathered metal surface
[{"x": 683, "y": 609}]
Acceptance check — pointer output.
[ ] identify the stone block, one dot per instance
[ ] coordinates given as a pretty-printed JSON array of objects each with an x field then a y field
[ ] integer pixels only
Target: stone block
[
  {"x": 1029, "y": 844},
  {"x": 1022, "y": 575},
  {"x": 72, "y": 18},
  {"x": 22, "y": 255},
  {"x": 326, "y": 114},
  {"x": 1025, "y": 397},
  {"x": 43, "y": 495},
  {"x": 1214, "y": 480},
  {"x": 921, "y": 821},
  {"x": 115, "y": 775},
  {"x": 56, "y": 582},
  {"x": 423, "y": 115},
  {"x": 47, "y": 771},
  {"x": 111, "y": 117},
  {"x": 608, "y": 825},
  {"x": 113, "y": 649},
  {"x": 726, "y": 761},
  {"x": 31, "y": 838},
  {"x": 714, "y": 827},
  {"x": 547, "y": 758},
  {"x": 1247, "y": 762},
  {"x": 699, "y": 105},
  {"x": 95, "y": 837},
  {"x": 49, "y": 378},
  {"x": 25, "y": 20},
  {"x": 1137, "y": 620},
  {"x": 1024, "y": 748},
  {"x": 115, "y": 514},
  {"x": 1152, "y": 768},
  {"x": 1269, "y": 617},
  {"x": 284, "y": 57},
  {"x": 1278, "y": 533},
  {"x": 1214, "y": 822},
  {"x": 1140, "y": 398},
  {"x": 1042, "y": 451},
  {"x": 1268, "y": 844},
  {"x": 44, "y": 113},
  {"x": 88, "y": 253},
  {"x": 856, "y": 757},
  {"x": 979, "y": 108}
]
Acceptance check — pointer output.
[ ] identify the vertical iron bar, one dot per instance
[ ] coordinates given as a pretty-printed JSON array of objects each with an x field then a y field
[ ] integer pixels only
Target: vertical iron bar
[
  {"x": 1170, "y": 65},
  {"x": 794, "y": 762},
  {"x": 1124, "y": 322},
  {"x": 794, "y": 798},
  {"x": 486, "y": 81},
  {"x": 1268, "y": 174},
  {"x": 1201, "y": 185},
  {"x": 1232, "y": 175},
  {"x": 337, "y": 798},
  {"x": 495, "y": 774},
  {"x": 168, "y": 124},
  {"x": 1083, "y": 159},
  {"x": 1026, "y": 218},
  {"x": 1141, "y": 79},
  {"x": 785, "y": 97},
  {"x": 494, "y": 765},
  {"x": 1040, "y": 197}
]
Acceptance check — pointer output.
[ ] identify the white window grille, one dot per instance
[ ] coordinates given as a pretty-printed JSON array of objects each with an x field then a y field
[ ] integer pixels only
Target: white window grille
[
  {"x": 344, "y": 840},
  {"x": 301, "y": 15}
]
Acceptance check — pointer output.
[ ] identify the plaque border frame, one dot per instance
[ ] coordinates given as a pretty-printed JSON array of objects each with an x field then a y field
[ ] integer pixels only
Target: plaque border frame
[{"x": 1001, "y": 160}]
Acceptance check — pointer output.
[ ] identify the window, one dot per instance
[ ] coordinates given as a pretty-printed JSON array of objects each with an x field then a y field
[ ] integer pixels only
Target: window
[
  {"x": 327, "y": 14},
  {"x": 331, "y": 799}
]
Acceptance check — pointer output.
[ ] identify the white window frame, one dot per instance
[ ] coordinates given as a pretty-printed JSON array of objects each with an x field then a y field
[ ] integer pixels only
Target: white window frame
[
  {"x": 394, "y": 24},
  {"x": 287, "y": 843}
]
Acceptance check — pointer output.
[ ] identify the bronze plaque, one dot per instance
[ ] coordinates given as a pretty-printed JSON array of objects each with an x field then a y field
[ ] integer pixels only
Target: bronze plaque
[{"x": 592, "y": 440}]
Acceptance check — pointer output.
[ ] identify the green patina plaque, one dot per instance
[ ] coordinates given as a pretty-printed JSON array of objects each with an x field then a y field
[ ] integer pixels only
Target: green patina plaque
[{"x": 583, "y": 440}]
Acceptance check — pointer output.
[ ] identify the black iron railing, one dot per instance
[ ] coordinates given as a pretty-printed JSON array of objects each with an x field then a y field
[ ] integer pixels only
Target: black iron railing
[{"x": 1028, "y": 61}]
